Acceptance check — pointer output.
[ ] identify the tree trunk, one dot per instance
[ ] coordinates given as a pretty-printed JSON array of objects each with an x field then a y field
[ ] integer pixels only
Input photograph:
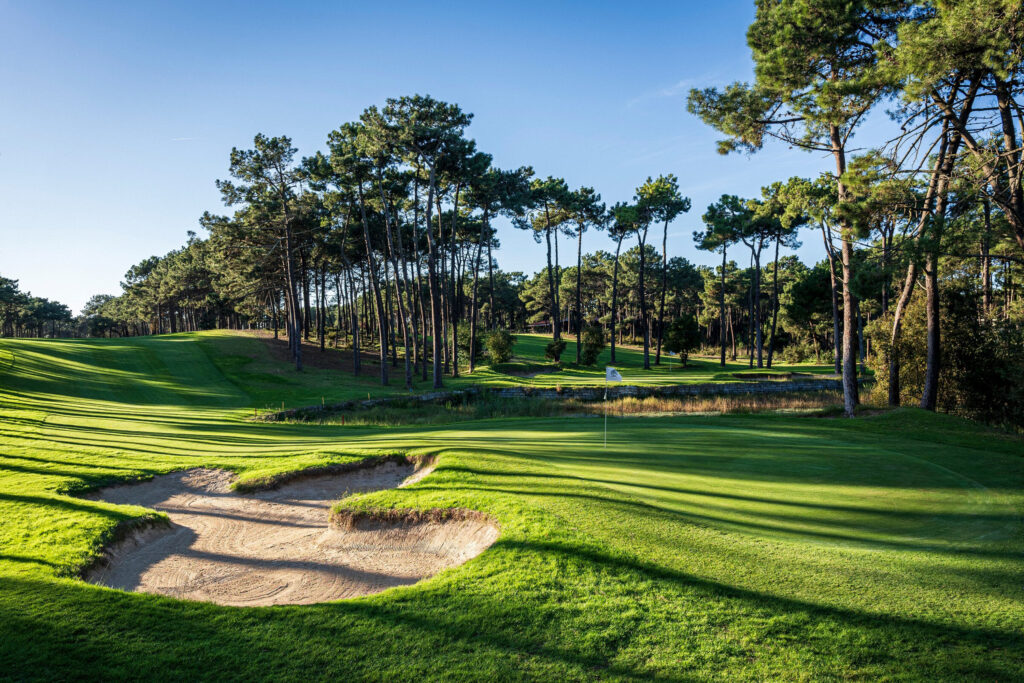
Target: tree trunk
[
  {"x": 986, "y": 260},
  {"x": 615, "y": 292},
  {"x": 556, "y": 322},
  {"x": 491, "y": 292},
  {"x": 485, "y": 229},
  {"x": 304, "y": 279},
  {"x": 850, "y": 389},
  {"x": 443, "y": 285},
  {"x": 933, "y": 354},
  {"x": 453, "y": 305},
  {"x": 354, "y": 321},
  {"x": 775, "y": 303},
  {"x": 579, "y": 291},
  {"x": 435, "y": 296},
  {"x": 323, "y": 308},
  {"x": 419, "y": 273},
  {"x": 404, "y": 318},
  {"x": 721, "y": 301},
  {"x": 664, "y": 288},
  {"x": 337, "y": 294},
  {"x": 644, "y": 321},
  {"x": 758, "y": 324},
  {"x": 836, "y": 334},
  {"x": 382, "y": 324},
  {"x": 750, "y": 315}
]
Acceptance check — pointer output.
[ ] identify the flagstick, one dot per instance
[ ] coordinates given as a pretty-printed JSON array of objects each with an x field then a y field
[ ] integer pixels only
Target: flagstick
[{"x": 606, "y": 410}]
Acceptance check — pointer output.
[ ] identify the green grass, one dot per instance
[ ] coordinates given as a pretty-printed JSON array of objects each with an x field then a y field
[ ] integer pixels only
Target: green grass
[
  {"x": 529, "y": 356},
  {"x": 738, "y": 547},
  {"x": 248, "y": 362}
]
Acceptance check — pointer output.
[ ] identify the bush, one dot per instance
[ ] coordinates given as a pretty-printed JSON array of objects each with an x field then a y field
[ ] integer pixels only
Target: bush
[
  {"x": 553, "y": 351},
  {"x": 499, "y": 346},
  {"x": 797, "y": 352},
  {"x": 593, "y": 344},
  {"x": 682, "y": 337},
  {"x": 464, "y": 342},
  {"x": 981, "y": 371}
]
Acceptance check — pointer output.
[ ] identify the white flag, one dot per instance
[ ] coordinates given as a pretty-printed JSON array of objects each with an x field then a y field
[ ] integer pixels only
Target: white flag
[{"x": 612, "y": 375}]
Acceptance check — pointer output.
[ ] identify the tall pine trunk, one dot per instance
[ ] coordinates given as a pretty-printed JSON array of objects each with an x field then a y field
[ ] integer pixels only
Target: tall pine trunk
[
  {"x": 382, "y": 324},
  {"x": 435, "y": 295},
  {"x": 615, "y": 291},
  {"x": 721, "y": 302},
  {"x": 579, "y": 291},
  {"x": 775, "y": 303},
  {"x": 664, "y": 289}
]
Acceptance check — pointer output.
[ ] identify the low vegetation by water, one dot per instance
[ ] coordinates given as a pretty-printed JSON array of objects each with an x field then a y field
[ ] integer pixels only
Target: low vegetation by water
[{"x": 413, "y": 412}]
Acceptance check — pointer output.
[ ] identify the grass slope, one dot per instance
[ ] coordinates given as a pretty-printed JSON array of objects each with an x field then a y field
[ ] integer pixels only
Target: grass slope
[
  {"x": 252, "y": 364},
  {"x": 751, "y": 547},
  {"x": 529, "y": 355}
]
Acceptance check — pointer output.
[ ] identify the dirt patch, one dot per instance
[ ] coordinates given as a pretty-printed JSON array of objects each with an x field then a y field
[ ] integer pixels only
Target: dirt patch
[{"x": 277, "y": 547}]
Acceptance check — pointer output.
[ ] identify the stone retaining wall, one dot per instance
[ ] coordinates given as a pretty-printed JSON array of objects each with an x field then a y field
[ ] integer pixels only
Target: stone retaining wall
[{"x": 579, "y": 393}]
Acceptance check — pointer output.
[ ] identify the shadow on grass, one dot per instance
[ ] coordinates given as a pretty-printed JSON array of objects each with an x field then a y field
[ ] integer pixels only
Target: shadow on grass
[{"x": 462, "y": 628}]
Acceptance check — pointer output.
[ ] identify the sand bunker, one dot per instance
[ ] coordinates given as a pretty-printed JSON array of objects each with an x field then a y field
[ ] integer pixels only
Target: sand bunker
[{"x": 277, "y": 547}]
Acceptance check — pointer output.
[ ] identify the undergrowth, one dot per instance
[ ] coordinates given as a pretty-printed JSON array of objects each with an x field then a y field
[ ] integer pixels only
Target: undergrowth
[{"x": 483, "y": 408}]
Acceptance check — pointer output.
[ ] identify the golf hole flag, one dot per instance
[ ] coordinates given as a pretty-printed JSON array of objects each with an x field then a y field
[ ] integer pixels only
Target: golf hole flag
[{"x": 612, "y": 375}]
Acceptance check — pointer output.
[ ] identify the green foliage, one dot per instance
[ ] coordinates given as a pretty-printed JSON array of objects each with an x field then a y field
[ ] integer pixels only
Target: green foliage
[
  {"x": 797, "y": 352},
  {"x": 682, "y": 337},
  {"x": 725, "y": 221},
  {"x": 982, "y": 359},
  {"x": 593, "y": 344},
  {"x": 660, "y": 200},
  {"x": 499, "y": 346},
  {"x": 554, "y": 350},
  {"x": 24, "y": 315},
  {"x": 464, "y": 338}
]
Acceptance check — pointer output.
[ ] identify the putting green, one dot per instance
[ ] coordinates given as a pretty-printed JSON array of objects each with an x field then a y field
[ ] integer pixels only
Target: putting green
[{"x": 744, "y": 547}]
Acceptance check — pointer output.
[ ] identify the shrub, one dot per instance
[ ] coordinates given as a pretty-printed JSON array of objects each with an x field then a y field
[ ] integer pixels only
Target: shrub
[
  {"x": 499, "y": 346},
  {"x": 593, "y": 344},
  {"x": 682, "y": 337},
  {"x": 797, "y": 352},
  {"x": 464, "y": 342},
  {"x": 981, "y": 373},
  {"x": 553, "y": 351}
]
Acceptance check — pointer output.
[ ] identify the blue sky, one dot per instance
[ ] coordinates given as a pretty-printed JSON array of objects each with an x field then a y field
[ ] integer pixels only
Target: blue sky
[{"x": 118, "y": 117}]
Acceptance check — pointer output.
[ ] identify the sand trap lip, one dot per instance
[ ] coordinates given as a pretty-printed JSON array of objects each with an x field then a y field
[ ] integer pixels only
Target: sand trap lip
[{"x": 277, "y": 547}]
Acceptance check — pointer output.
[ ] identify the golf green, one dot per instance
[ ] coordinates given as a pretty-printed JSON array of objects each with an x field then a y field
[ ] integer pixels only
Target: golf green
[{"x": 747, "y": 547}]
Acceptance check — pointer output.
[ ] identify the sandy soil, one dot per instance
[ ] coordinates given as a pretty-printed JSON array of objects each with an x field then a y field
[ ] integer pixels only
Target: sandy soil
[{"x": 276, "y": 547}]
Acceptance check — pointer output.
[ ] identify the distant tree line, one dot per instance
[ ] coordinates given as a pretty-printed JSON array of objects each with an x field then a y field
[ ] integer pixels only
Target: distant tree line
[
  {"x": 24, "y": 315},
  {"x": 384, "y": 242}
]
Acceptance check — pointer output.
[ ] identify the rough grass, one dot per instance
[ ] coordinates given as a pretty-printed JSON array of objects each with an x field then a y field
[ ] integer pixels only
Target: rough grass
[
  {"x": 485, "y": 407},
  {"x": 755, "y": 547}
]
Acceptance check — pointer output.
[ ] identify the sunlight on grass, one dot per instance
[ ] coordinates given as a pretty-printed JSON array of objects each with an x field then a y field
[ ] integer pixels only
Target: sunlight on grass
[{"x": 746, "y": 546}]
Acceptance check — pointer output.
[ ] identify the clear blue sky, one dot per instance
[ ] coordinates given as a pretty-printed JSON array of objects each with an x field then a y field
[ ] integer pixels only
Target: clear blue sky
[{"x": 116, "y": 118}]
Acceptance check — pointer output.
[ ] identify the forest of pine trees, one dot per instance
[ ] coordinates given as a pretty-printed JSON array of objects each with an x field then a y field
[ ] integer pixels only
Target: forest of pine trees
[{"x": 384, "y": 243}]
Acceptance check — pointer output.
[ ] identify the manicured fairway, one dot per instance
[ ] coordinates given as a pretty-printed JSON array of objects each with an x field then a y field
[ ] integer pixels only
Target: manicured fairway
[{"x": 750, "y": 547}]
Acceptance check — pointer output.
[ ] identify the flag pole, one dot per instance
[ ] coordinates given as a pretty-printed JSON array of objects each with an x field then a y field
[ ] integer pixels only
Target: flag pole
[{"x": 610, "y": 374}]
